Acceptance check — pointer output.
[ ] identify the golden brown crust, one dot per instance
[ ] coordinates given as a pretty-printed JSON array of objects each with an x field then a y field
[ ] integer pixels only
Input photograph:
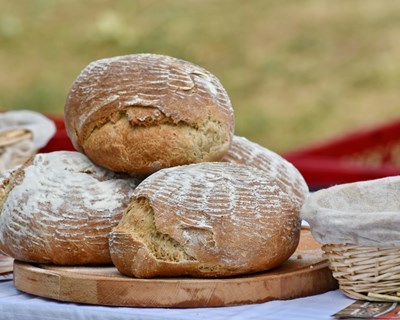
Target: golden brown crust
[
  {"x": 244, "y": 151},
  {"x": 59, "y": 208},
  {"x": 206, "y": 220},
  {"x": 121, "y": 104}
]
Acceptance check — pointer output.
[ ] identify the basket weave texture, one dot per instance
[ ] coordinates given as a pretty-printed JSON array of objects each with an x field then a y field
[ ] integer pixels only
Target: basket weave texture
[
  {"x": 365, "y": 273},
  {"x": 16, "y": 147}
]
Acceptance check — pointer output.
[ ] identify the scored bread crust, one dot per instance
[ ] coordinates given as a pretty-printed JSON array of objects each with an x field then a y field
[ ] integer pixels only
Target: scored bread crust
[
  {"x": 206, "y": 220},
  {"x": 59, "y": 208},
  {"x": 143, "y": 112},
  {"x": 244, "y": 151}
]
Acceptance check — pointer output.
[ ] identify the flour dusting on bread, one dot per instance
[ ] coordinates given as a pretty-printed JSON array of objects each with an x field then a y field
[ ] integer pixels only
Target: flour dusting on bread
[
  {"x": 60, "y": 207},
  {"x": 244, "y": 151},
  {"x": 224, "y": 218},
  {"x": 142, "y": 112}
]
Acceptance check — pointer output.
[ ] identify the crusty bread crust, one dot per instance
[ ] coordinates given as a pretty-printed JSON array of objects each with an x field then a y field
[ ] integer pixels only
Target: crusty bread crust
[
  {"x": 211, "y": 219},
  {"x": 244, "y": 151},
  {"x": 143, "y": 112},
  {"x": 59, "y": 208}
]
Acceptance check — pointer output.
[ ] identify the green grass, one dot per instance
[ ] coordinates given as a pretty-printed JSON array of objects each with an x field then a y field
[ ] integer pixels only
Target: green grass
[{"x": 296, "y": 71}]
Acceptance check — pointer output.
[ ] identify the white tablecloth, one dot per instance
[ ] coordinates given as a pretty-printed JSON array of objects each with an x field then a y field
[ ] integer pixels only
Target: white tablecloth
[{"x": 16, "y": 305}]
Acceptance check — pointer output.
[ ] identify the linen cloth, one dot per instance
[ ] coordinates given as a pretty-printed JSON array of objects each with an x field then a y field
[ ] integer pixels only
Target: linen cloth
[{"x": 16, "y": 305}]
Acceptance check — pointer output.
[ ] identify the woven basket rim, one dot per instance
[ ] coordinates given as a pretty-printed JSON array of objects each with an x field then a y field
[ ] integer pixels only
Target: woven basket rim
[
  {"x": 13, "y": 136},
  {"x": 365, "y": 273}
]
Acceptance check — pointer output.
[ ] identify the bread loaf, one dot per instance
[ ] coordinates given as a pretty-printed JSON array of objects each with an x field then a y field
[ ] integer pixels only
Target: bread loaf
[
  {"x": 143, "y": 112},
  {"x": 211, "y": 219},
  {"x": 244, "y": 151},
  {"x": 59, "y": 208}
]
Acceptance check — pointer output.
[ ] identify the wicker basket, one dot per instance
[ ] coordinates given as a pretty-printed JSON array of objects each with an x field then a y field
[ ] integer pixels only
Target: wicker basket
[
  {"x": 13, "y": 136},
  {"x": 365, "y": 273},
  {"x": 15, "y": 148}
]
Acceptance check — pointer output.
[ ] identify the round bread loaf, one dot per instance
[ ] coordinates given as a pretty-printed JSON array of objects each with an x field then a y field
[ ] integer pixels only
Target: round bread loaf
[
  {"x": 211, "y": 219},
  {"x": 244, "y": 151},
  {"x": 143, "y": 112},
  {"x": 59, "y": 208}
]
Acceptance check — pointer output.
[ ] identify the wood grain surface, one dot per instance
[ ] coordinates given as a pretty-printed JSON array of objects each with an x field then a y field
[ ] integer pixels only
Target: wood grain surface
[
  {"x": 305, "y": 273},
  {"x": 6, "y": 264}
]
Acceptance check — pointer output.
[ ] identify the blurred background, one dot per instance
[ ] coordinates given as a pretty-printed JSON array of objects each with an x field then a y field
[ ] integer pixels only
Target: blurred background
[{"x": 297, "y": 72}]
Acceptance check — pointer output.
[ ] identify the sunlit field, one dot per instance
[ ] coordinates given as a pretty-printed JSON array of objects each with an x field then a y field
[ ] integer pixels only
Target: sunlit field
[{"x": 297, "y": 72}]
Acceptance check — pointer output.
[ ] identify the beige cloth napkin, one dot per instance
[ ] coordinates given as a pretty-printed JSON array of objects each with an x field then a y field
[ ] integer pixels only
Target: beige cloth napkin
[
  {"x": 365, "y": 213},
  {"x": 22, "y": 133}
]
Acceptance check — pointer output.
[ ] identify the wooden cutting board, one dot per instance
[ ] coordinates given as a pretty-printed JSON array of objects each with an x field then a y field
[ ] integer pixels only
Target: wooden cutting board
[
  {"x": 305, "y": 273},
  {"x": 6, "y": 267}
]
